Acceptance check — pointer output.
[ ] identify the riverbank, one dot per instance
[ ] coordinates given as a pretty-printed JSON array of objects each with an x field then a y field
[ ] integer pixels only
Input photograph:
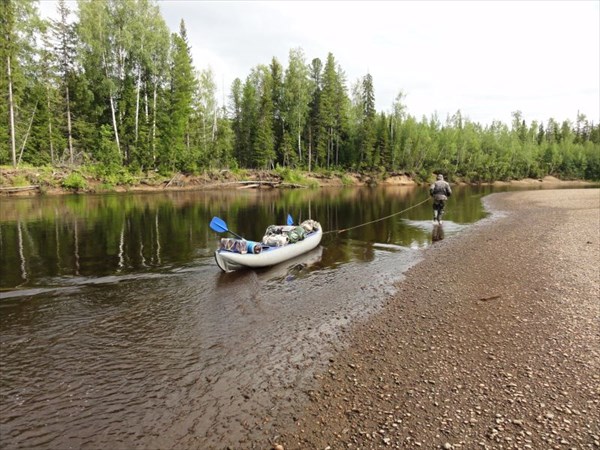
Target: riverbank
[
  {"x": 492, "y": 341},
  {"x": 56, "y": 181}
]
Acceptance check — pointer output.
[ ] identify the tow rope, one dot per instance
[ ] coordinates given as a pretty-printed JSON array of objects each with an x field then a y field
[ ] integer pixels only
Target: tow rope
[{"x": 376, "y": 220}]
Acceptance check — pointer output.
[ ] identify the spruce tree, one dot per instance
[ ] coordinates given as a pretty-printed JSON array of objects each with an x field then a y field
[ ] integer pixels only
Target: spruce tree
[
  {"x": 264, "y": 148},
  {"x": 277, "y": 98},
  {"x": 327, "y": 113},
  {"x": 249, "y": 111},
  {"x": 177, "y": 150},
  {"x": 65, "y": 49},
  {"x": 315, "y": 73}
]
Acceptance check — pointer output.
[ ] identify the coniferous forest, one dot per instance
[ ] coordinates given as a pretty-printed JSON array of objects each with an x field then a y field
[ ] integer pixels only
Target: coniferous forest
[{"x": 108, "y": 86}]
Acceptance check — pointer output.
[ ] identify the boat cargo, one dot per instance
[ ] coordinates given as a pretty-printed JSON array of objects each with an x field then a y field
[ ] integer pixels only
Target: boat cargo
[{"x": 280, "y": 243}]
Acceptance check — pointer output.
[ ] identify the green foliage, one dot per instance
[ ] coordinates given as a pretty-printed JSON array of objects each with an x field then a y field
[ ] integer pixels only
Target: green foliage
[
  {"x": 111, "y": 175},
  {"x": 105, "y": 187},
  {"x": 177, "y": 152},
  {"x": 20, "y": 180},
  {"x": 292, "y": 176},
  {"x": 107, "y": 152},
  {"x": 239, "y": 174},
  {"x": 121, "y": 178},
  {"x": 346, "y": 180},
  {"x": 296, "y": 98},
  {"x": 74, "y": 181},
  {"x": 287, "y": 175},
  {"x": 109, "y": 85},
  {"x": 592, "y": 157}
]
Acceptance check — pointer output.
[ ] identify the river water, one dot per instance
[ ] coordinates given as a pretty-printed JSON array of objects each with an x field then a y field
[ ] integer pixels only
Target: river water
[{"x": 118, "y": 330}]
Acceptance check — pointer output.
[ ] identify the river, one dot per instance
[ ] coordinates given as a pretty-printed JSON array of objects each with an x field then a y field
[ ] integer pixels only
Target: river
[{"x": 118, "y": 330}]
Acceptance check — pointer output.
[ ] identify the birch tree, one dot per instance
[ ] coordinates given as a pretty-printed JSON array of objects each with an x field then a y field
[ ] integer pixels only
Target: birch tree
[
  {"x": 157, "y": 54},
  {"x": 235, "y": 111},
  {"x": 101, "y": 55},
  {"x": 19, "y": 24},
  {"x": 205, "y": 108},
  {"x": 296, "y": 97}
]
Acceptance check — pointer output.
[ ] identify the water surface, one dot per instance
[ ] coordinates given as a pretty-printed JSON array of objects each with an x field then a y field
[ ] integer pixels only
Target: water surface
[{"x": 118, "y": 330}]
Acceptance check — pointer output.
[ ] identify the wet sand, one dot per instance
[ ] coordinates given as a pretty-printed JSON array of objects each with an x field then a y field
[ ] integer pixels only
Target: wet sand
[{"x": 492, "y": 341}]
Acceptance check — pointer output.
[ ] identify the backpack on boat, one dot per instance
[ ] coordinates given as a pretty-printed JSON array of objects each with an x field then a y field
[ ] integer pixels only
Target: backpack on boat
[{"x": 278, "y": 235}]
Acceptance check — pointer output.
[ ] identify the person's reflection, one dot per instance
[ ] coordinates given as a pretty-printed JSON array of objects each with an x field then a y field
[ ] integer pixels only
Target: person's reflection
[{"x": 437, "y": 234}]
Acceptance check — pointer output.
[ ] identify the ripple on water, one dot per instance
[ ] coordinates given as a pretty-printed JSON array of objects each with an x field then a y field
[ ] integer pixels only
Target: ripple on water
[{"x": 178, "y": 360}]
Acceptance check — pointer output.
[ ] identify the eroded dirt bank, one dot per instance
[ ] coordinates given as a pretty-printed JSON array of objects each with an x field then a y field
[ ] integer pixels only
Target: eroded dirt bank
[{"x": 493, "y": 341}]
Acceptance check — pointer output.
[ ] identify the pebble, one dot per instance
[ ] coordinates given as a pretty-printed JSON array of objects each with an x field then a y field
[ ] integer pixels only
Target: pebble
[{"x": 471, "y": 380}]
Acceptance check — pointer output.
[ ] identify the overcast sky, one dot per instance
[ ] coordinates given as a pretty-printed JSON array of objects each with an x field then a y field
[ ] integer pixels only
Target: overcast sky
[{"x": 484, "y": 58}]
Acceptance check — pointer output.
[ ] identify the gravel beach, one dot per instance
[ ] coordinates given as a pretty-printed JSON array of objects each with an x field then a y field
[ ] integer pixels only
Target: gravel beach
[{"x": 491, "y": 342}]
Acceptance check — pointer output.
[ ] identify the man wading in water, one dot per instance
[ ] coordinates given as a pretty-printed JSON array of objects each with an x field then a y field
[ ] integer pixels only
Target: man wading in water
[{"x": 440, "y": 191}]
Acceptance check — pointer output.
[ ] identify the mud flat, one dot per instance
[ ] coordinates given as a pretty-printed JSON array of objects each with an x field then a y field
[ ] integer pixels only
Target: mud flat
[{"x": 492, "y": 341}]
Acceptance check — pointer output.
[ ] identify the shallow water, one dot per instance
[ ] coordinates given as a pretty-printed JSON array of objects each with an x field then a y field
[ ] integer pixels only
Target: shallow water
[{"x": 119, "y": 331}]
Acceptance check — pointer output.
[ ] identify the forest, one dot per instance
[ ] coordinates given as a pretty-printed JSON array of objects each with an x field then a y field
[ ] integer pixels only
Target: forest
[{"x": 108, "y": 86}]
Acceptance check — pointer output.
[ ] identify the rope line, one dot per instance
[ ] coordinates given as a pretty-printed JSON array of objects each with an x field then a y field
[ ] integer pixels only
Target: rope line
[{"x": 376, "y": 220}]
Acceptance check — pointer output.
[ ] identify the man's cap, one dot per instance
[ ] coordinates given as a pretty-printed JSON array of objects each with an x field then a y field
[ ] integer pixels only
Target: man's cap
[{"x": 440, "y": 177}]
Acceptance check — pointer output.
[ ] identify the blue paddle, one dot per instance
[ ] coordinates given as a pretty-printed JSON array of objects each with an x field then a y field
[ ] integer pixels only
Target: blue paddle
[
  {"x": 220, "y": 226},
  {"x": 290, "y": 220}
]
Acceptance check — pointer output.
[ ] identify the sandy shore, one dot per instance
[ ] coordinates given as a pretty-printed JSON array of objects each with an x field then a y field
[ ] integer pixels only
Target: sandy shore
[{"x": 493, "y": 341}]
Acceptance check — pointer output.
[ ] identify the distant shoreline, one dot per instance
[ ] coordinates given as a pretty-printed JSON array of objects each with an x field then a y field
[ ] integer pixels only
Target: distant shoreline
[{"x": 60, "y": 181}]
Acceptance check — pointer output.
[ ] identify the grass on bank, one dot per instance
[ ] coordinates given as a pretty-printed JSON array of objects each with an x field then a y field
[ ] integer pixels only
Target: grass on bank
[
  {"x": 96, "y": 178},
  {"x": 80, "y": 178}
]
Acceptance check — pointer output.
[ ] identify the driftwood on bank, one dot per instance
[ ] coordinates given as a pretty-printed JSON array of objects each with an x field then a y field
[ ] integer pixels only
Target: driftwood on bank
[
  {"x": 9, "y": 189},
  {"x": 175, "y": 180},
  {"x": 272, "y": 184},
  {"x": 256, "y": 184}
]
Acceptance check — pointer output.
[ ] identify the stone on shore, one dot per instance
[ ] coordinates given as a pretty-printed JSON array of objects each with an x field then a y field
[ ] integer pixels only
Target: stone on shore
[{"x": 492, "y": 341}]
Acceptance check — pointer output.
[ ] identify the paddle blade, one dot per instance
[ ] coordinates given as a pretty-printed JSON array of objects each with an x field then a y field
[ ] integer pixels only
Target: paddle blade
[
  {"x": 218, "y": 225},
  {"x": 290, "y": 220}
]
